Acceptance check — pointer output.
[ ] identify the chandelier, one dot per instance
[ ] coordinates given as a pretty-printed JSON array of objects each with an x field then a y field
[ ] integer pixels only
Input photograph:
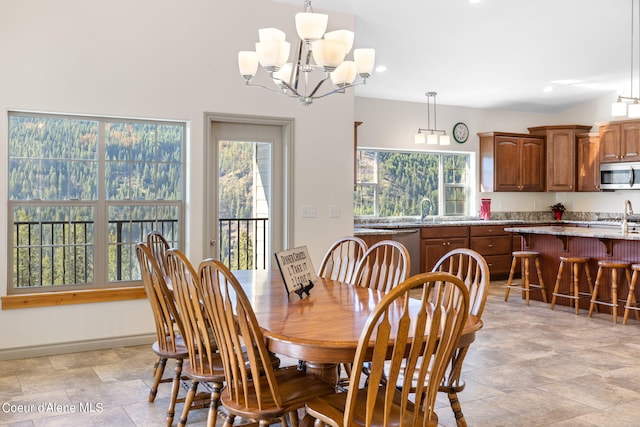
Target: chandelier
[
  {"x": 619, "y": 108},
  {"x": 432, "y": 135},
  {"x": 297, "y": 79}
]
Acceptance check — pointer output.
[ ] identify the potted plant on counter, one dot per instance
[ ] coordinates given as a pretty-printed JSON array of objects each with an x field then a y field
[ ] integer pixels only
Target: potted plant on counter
[{"x": 558, "y": 209}]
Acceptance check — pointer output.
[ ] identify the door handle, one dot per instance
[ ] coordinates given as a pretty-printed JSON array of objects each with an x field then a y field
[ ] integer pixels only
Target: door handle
[{"x": 212, "y": 242}]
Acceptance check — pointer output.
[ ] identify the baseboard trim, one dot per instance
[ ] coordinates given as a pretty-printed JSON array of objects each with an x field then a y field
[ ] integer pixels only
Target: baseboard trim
[{"x": 75, "y": 346}]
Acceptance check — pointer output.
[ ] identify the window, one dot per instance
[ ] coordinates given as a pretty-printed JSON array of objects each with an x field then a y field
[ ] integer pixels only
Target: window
[
  {"x": 83, "y": 191},
  {"x": 395, "y": 183}
]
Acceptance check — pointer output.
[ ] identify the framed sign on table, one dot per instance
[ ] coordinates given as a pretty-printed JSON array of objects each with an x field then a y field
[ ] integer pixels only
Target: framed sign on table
[{"x": 297, "y": 270}]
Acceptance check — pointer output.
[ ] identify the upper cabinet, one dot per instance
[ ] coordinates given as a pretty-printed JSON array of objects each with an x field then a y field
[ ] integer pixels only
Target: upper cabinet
[
  {"x": 620, "y": 141},
  {"x": 511, "y": 162},
  {"x": 588, "y": 161},
  {"x": 561, "y": 155}
]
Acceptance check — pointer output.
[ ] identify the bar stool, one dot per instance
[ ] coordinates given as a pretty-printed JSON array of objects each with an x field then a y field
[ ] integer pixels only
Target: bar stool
[
  {"x": 614, "y": 266},
  {"x": 526, "y": 285},
  {"x": 632, "y": 303},
  {"x": 574, "y": 294}
]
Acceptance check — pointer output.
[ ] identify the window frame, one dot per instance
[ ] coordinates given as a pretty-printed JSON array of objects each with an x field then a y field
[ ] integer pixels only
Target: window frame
[
  {"x": 100, "y": 288},
  {"x": 442, "y": 185}
]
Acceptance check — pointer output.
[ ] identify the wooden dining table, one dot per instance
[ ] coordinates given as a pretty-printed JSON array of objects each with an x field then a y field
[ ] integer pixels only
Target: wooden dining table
[{"x": 322, "y": 328}]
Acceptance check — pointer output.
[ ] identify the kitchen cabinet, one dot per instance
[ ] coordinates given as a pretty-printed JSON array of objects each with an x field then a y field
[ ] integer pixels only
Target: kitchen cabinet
[
  {"x": 495, "y": 245},
  {"x": 588, "y": 161},
  {"x": 511, "y": 162},
  {"x": 437, "y": 241},
  {"x": 620, "y": 141},
  {"x": 561, "y": 156}
]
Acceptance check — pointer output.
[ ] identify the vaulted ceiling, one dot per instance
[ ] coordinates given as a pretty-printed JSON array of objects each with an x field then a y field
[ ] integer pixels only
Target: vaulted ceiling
[{"x": 495, "y": 53}]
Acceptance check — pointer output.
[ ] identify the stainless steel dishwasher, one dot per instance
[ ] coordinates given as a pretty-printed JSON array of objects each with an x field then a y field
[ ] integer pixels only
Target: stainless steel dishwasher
[{"x": 411, "y": 240}]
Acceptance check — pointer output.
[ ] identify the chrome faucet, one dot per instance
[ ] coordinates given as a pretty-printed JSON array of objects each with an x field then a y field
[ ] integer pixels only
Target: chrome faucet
[
  {"x": 628, "y": 210},
  {"x": 424, "y": 201}
]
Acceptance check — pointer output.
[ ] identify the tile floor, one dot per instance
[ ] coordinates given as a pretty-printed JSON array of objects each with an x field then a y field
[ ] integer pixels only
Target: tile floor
[{"x": 529, "y": 366}]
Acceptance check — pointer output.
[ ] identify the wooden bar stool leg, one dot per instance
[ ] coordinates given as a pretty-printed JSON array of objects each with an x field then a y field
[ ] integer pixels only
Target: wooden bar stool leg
[
  {"x": 587, "y": 272},
  {"x": 526, "y": 279},
  {"x": 576, "y": 286},
  {"x": 540, "y": 281},
  {"x": 556, "y": 288},
  {"x": 631, "y": 299},
  {"x": 614, "y": 294},
  {"x": 594, "y": 295},
  {"x": 510, "y": 280}
]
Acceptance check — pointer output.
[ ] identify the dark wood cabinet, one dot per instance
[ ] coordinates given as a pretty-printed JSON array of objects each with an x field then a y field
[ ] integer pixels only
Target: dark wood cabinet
[
  {"x": 561, "y": 155},
  {"x": 588, "y": 161},
  {"x": 511, "y": 162},
  {"x": 437, "y": 241},
  {"x": 495, "y": 245},
  {"x": 620, "y": 141}
]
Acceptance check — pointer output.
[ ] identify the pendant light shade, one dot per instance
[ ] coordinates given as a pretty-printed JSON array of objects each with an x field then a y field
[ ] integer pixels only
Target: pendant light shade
[{"x": 431, "y": 135}]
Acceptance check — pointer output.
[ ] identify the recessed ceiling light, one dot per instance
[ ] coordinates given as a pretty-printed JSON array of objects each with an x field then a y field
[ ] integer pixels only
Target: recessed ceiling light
[
  {"x": 381, "y": 68},
  {"x": 548, "y": 89},
  {"x": 475, "y": 1}
]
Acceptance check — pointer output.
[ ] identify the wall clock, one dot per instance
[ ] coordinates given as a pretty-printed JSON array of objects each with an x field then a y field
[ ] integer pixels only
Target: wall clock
[{"x": 460, "y": 132}]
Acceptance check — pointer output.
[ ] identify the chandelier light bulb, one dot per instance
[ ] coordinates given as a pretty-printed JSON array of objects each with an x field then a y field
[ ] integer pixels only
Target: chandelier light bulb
[
  {"x": 344, "y": 36},
  {"x": 311, "y": 26},
  {"x": 328, "y": 53},
  {"x": 344, "y": 74},
  {"x": 272, "y": 54},
  {"x": 419, "y": 138},
  {"x": 247, "y": 63},
  {"x": 364, "y": 59},
  {"x": 271, "y": 34}
]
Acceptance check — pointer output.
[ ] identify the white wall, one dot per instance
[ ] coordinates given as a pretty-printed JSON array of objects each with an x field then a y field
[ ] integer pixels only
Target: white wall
[
  {"x": 167, "y": 60},
  {"x": 392, "y": 124}
]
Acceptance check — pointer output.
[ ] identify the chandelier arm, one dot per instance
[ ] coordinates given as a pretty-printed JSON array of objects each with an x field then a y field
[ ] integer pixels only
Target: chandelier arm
[
  {"x": 249, "y": 84},
  {"x": 295, "y": 74},
  {"x": 315, "y": 89}
]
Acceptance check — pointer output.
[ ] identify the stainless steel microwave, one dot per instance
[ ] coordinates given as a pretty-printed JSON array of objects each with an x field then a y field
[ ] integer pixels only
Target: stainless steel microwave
[{"x": 620, "y": 176}]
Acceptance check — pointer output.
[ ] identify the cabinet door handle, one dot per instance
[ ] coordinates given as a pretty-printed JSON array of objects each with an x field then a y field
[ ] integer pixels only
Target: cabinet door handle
[{"x": 490, "y": 245}]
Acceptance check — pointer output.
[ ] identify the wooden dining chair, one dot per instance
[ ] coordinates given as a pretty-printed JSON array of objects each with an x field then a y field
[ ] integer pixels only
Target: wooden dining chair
[
  {"x": 342, "y": 258},
  {"x": 169, "y": 331},
  {"x": 384, "y": 265},
  {"x": 471, "y": 267},
  {"x": 254, "y": 388},
  {"x": 204, "y": 367},
  {"x": 159, "y": 247},
  {"x": 416, "y": 326}
]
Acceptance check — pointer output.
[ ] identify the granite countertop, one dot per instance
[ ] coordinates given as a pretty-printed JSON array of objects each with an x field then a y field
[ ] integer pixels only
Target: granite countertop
[{"x": 599, "y": 232}]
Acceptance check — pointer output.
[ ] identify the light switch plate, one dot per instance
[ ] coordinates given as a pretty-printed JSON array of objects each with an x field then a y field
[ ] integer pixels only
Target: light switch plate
[
  {"x": 309, "y": 212},
  {"x": 334, "y": 211}
]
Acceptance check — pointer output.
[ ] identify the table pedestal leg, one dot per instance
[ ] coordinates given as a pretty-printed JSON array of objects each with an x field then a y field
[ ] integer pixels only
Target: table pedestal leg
[{"x": 327, "y": 372}]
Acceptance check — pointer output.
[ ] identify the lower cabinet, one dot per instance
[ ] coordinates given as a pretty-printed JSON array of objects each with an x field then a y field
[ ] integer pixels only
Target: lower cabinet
[
  {"x": 495, "y": 245},
  {"x": 437, "y": 241},
  {"x": 490, "y": 241}
]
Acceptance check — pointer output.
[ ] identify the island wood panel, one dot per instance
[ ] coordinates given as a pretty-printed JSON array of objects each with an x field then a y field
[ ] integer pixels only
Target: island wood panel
[{"x": 551, "y": 248}]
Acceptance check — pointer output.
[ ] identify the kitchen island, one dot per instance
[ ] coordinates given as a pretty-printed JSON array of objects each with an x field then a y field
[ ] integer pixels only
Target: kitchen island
[{"x": 597, "y": 243}]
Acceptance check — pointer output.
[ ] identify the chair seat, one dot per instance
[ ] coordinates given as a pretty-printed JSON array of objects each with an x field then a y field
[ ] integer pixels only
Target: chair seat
[
  {"x": 612, "y": 263},
  {"x": 330, "y": 409},
  {"x": 525, "y": 254},
  {"x": 217, "y": 369},
  {"x": 180, "y": 352},
  {"x": 295, "y": 389}
]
